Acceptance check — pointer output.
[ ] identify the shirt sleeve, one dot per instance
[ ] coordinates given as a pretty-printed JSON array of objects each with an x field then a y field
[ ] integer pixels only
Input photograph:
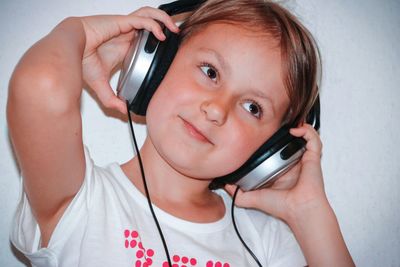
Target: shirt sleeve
[{"x": 25, "y": 233}]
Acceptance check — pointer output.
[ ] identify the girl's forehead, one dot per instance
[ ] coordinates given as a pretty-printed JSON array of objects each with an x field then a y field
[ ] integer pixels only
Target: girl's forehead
[
  {"x": 236, "y": 44},
  {"x": 228, "y": 34}
]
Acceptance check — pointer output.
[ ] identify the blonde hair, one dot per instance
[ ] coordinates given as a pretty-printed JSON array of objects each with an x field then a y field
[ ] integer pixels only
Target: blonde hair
[{"x": 299, "y": 52}]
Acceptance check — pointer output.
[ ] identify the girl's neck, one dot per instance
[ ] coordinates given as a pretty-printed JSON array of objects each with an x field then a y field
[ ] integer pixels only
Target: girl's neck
[{"x": 182, "y": 196}]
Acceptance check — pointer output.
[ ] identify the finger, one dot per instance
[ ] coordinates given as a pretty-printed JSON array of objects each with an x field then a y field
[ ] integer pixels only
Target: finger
[
  {"x": 311, "y": 136},
  {"x": 128, "y": 23},
  {"x": 267, "y": 200},
  {"x": 311, "y": 173},
  {"x": 159, "y": 15},
  {"x": 105, "y": 27},
  {"x": 243, "y": 199},
  {"x": 107, "y": 97}
]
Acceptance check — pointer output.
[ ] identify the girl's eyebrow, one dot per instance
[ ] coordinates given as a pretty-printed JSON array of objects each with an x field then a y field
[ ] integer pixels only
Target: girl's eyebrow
[{"x": 220, "y": 59}]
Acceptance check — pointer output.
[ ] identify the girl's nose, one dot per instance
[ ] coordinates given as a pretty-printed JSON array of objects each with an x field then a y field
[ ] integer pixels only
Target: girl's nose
[{"x": 215, "y": 111}]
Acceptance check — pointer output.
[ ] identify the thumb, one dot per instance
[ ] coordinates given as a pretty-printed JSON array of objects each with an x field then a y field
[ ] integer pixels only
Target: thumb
[
  {"x": 267, "y": 200},
  {"x": 243, "y": 199},
  {"x": 107, "y": 96}
]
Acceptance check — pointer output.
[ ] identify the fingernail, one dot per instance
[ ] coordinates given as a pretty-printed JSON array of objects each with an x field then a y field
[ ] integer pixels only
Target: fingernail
[
  {"x": 162, "y": 36},
  {"x": 176, "y": 28}
]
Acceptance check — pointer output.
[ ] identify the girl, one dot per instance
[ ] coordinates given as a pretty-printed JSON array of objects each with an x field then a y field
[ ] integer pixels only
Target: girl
[{"x": 243, "y": 68}]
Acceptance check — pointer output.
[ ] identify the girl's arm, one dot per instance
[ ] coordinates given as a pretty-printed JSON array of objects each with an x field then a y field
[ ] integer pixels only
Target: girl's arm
[
  {"x": 45, "y": 124},
  {"x": 317, "y": 230},
  {"x": 298, "y": 198},
  {"x": 43, "y": 108}
]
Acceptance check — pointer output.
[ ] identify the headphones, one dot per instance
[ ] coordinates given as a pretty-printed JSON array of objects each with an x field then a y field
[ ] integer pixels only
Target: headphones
[{"x": 145, "y": 65}]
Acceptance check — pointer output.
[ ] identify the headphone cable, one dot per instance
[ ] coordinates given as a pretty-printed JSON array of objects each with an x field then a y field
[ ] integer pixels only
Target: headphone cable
[
  {"x": 146, "y": 189},
  {"x": 151, "y": 206},
  {"x": 236, "y": 229}
]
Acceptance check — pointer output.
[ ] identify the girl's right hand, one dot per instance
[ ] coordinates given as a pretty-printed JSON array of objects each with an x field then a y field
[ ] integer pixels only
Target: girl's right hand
[{"x": 108, "y": 38}]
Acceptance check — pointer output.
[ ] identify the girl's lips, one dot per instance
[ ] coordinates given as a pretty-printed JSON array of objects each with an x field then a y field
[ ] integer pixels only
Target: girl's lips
[{"x": 194, "y": 132}]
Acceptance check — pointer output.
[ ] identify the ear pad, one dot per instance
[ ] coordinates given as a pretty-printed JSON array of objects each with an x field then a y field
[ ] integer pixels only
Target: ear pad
[
  {"x": 163, "y": 58},
  {"x": 147, "y": 60},
  {"x": 277, "y": 155}
]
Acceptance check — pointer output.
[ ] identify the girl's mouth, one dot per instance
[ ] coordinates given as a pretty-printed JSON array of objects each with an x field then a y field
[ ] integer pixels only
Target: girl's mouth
[{"x": 194, "y": 132}]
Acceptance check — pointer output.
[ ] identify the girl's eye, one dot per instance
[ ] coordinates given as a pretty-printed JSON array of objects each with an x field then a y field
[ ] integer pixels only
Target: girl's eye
[
  {"x": 253, "y": 108},
  {"x": 210, "y": 71}
]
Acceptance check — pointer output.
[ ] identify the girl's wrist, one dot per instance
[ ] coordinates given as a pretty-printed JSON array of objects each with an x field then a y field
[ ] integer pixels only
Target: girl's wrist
[
  {"x": 306, "y": 211},
  {"x": 317, "y": 231}
]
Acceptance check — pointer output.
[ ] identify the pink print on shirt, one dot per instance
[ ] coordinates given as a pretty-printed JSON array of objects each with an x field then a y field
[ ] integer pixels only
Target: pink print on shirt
[
  {"x": 143, "y": 256},
  {"x": 181, "y": 262}
]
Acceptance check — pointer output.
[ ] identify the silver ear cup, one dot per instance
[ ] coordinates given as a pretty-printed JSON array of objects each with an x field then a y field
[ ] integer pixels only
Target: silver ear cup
[
  {"x": 269, "y": 170},
  {"x": 134, "y": 67}
]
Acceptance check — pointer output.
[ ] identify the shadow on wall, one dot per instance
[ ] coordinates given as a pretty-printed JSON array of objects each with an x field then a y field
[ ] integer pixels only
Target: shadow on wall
[{"x": 19, "y": 256}]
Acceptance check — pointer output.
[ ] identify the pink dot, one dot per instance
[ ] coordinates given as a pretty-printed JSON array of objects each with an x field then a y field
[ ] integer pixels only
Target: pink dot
[
  {"x": 126, "y": 233},
  {"x": 165, "y": 264},
  {"x": 141, "y": 245},
  {"x": 126, "y": 243},
  {"x": 209, "y": 264},
  {"x": 139, "y": 254},
  {"x": 145, "y": 264},
  {"x": 175, "y": 265},
  {"x": 176, "y": 258},
  {"x": 150, "y": 253},
  {"x": 226, "y": 265},
  {"x": 133, "y": 243},
  {"x": 218, "y": 264},
  {"x": 193, "y": 261},
  {"x": 185, "y": 260},
  {"x": 138, "y": 263},
  {"x": 149, "y": 261},
  {"x": 134, "y": 234}
]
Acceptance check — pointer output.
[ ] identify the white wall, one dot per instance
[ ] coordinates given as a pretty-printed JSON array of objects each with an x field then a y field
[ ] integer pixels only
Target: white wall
[{"x": 359, "y": 42}]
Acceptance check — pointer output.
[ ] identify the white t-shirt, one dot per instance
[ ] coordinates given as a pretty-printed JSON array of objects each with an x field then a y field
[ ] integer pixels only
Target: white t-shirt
[{"x": 109, "y": 224}]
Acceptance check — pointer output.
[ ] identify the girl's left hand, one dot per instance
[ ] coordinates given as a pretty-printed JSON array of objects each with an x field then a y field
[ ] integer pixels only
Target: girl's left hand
[{"x": 299, "y": 188}]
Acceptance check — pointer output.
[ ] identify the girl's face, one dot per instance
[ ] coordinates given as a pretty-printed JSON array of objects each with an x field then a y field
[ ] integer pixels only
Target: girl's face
[{"x": 222, "y": 97}]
